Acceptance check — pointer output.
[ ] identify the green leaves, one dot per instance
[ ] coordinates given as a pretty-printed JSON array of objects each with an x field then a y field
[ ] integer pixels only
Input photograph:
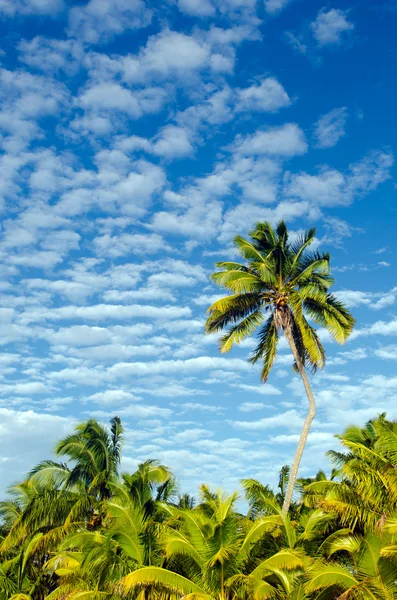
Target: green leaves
[
  {"x": 237, "y": 281},
  {"x": 138, "y": 543},
  {"x": 266, "y": 349},
  {"x": 291, "y": 283},
  {"x": 239, "y": 332},
  {"x": 158, "y": 578},
  {"x": 331, "y": 314},
  {"x": 231, "y": 309}
]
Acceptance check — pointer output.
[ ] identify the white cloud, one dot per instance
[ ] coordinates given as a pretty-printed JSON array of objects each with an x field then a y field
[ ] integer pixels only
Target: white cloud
[
  {"x": 267, "y": 96},
  {"x": 99, "y": 20},
  {"x": 40, "y": 260},
  {"x": 24, "y": 389},
  {"x": 264, "y": 390},
  {"x": 197, "y": 406},
  {"x": 286, "y": 141},
  {"x": 251, "y": 406},
  {"x": 130, "y": 243},
  {"x": 173, "y": 390},
  {"x": 27, "y": 437},
  {"x": 296, "y": 42},
  {"x": 167, "y": 54},
  {"x": 172, "y": 142},
  {"x": 106, "y": 311},
  {"x": 214, "y": 108},
  {"x": 128, "y": 186},
  {"x": 378, "y": 328},
  {"x": 274, "y": 6},
  {"x": 52, "y": 55},
  {"x": 26, "y": 99},
  {"x": 85, "y": 335},
  {"x": 10, "y": 8},
  {"x": 245, "y": 215},
  {"x": 206, "y": 299},
  {"x": 109, "y": 96},
  {"x": 330, "y": 128},
  {"x": 191, "y": 365},
  {"x": 204, "y": 8},
  {"x": 290, "y": 419},
  {"x": 329, "y": 26},
  {"x": 137, "y": 411},
  {"x": 112, "y": 352},
  {"x": 373, "y": 300},
  {"x": 113, "y": 397},
  {"x": 315, "y": 438},
  {"x": 387, "y": 352},
  {"x": 332, "y": 188}
]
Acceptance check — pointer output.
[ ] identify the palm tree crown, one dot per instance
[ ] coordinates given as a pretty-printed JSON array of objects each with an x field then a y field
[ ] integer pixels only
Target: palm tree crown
[{"x": 281, "y": 286}]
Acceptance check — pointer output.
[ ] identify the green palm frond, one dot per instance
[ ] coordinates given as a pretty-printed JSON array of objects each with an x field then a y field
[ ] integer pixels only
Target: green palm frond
[
  {"x": 325, "y": 575},
  {"x": 248, "y": 250},
  {"x": 238, "y": 282},
  {"x": 261, "y": 498},
  {"x": 158, "y": 578},
  {"x": 284, "y": 560},
  {"x": 230, "y": 310},
  {"x": 266, "y": 349},
  {"x": 239, "y": 332},
  {"x": 332, "y": 315}
]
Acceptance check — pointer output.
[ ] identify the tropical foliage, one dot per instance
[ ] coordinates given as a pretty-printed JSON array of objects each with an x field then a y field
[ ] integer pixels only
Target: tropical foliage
[
  {"x": 280, "y": 288},
  {"x": 81, "y": 530}
]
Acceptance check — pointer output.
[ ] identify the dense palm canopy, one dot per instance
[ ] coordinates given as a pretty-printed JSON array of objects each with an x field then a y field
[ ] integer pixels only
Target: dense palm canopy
[
  {"x": 282, "y": 287},
  {"x": 101, "y": 534}
]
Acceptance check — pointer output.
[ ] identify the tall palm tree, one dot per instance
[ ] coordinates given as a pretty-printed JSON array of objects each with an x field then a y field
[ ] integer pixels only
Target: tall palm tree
[{"x": 279, "y": 287}]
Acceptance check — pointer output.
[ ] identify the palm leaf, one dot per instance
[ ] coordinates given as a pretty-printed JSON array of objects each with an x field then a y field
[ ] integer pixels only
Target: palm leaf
[
  {"x": 157, "y": 577},
  {"x": 266, "y": 349}
]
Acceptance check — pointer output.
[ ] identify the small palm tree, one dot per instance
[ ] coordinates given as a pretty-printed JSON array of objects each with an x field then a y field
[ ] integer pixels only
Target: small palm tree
[
  {"x": 366, "y": 569},
  {"x": 277, "y": 289},
  {"x": 364, "y": 493}
]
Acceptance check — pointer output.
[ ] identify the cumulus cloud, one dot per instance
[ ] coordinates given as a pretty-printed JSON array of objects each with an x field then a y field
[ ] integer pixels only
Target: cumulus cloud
[
  {"x": 109, "y": 96},
  {"x": 113, "y": 398},
  {"x": 275, "y": 6},
  {"x": 331, "y": 187},
  {"x": 104, "y": 312},
  {"x": 373, "y": 300},
  {"x": 100, "y": 20},
  {"x": 27, "y": 437},
  {"x": 329, "y": 26},
  {"x": 251, "y": 406},
  {"x": 52, "y": 55},
  {"x": 11, "y": 8},
  {"x": 204, "y": 8},
  {"x": 290, "y": 419},
  {"x": 267, "y": 96},
  {"x": 285, "y": 141},
  {"x": 130, "y": 243}
]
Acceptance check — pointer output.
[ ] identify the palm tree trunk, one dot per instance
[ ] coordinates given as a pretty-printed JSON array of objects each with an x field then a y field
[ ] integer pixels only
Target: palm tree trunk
[{"x": 306, "y": 426}]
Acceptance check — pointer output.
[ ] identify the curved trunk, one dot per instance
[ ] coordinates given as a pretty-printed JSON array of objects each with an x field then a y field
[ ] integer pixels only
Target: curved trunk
[{"x": 306, "y": 426}]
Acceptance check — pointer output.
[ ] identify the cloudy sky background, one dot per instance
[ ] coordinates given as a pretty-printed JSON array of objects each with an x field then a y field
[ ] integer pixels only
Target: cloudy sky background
[{"x": 137, "y": 138}]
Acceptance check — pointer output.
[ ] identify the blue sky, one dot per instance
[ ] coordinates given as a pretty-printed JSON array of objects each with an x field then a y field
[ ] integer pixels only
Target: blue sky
[{"x": 137, "y": 138}]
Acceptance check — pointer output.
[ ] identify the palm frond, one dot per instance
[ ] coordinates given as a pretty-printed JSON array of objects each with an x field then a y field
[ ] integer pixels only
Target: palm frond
[{"x": 266, "y": 349}]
